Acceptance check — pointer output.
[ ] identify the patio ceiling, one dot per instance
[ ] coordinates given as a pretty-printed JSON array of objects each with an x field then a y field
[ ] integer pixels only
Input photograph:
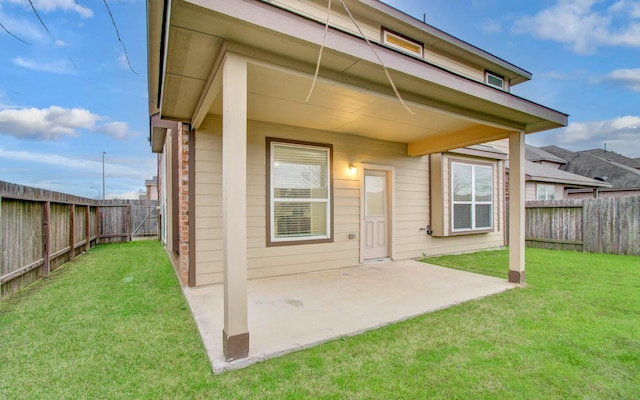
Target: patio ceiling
[{"x": 352, "y": 95}]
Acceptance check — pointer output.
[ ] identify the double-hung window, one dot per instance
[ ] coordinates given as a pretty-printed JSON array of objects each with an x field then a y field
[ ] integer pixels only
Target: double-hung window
[
  {"x": 545, "y": 191},
  {"x": 472, "y": 197},
  {"x": 299, "y": 184}
]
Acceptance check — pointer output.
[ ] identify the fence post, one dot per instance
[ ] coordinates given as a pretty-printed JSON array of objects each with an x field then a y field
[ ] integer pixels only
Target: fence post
[
  {"x": 1, "y": 244},
  {"x": 128, "y": 223},
  {"x": 46, "y": 237},
  {"x": 72, "y": 211},
  {"x": 87, "y": 228},
  {"x": 98, "y": 227}
]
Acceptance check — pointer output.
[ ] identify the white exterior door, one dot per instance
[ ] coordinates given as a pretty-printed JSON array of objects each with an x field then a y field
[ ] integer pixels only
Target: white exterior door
[{"x": 375, "y": 215}]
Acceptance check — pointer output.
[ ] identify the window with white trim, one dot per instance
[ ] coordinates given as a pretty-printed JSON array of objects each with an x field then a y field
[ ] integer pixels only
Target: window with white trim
[
  {"x": 545, "y": 191},
  {"x": 299, "y": 192},
  {"x": 494, "y": 80},
  {"x": 471, "y": 197},
  {"x": 402, "y": 43}
]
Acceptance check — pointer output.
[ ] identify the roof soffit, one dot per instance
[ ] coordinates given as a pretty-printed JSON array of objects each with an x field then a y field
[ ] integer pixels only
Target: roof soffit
[
  {"x": 195, "y": 44},
  {"x": 354, "y": 57}
]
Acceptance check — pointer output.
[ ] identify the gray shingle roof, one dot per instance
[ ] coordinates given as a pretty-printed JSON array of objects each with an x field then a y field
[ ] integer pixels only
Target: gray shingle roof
[
  {"x": 584, "y": 163},
  {"x": 543, "y": 173},
  {"x": 533, "y": 153},
  {"x": 615, "y": 157}
]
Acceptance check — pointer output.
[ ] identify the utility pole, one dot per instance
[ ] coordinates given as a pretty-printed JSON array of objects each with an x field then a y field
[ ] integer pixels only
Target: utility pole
[{"x": 103, "y": 192}]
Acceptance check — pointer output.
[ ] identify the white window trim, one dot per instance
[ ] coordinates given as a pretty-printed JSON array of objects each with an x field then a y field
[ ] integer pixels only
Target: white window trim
[
  {"x": 547, "y": 187},
  {"x": 272, "y": 200},
  {"x": 386, "y": 33},
  {"x": 473, "y": 202},
  {"x": 488, "y": 74}
]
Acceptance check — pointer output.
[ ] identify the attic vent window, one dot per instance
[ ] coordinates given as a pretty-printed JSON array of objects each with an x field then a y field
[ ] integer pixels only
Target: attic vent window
[
  {"x": 494, "y": 80},
  {"x": 402, "y": 43}
]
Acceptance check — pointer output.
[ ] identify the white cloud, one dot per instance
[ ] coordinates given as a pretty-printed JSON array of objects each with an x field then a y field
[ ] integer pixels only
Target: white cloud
[
  {"x": 122, "y": 60},
  {"x": 54, "y": 5},
  {"x": 135, "y": 195},
  {"x": 628, "y": 78},
  {"x": 620, "y": 134},
  {"x": 23, "y": 28},
  {"x": 117, "y": 130},
  {"x": 491, "y": 26},
  {"x": 583, "y": 28},
  {"x": 60, "y": 43},
  {"x": 112, "y": 170},
  {"x": 54, "y": 67},
  {"x": 55, "y": 122}
]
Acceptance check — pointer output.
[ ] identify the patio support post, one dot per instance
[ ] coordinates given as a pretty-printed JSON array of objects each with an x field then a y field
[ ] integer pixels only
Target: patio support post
[
  {"x": 516, "y": 207},
  {"x": 235, "y": 335}
]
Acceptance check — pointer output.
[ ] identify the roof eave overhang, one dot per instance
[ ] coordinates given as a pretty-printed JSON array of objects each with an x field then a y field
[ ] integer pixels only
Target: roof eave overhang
[{"x": 281, "y": 23}]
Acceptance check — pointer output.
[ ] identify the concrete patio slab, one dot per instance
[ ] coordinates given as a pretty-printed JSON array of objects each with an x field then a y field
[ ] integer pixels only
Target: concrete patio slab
[{"x": 294, "y": 312}]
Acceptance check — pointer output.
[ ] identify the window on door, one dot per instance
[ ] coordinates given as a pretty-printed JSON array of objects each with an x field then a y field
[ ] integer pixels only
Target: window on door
[
  {"x": 299, "y": 183},
  {"x": 472, "y": 197}
]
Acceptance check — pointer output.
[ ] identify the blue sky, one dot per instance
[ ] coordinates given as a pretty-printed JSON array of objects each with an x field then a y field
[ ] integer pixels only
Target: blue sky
[{"x": 69, "y": 95}]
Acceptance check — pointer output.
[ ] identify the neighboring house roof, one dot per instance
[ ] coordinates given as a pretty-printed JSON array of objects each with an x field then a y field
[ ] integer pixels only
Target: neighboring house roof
[
  {"x": 615, "y": 157},
  {"x": 533, "y": 153},
  {"x": 151, "y": 182},
  {"x": 482, "y": 150},
  {"x": 584, "y": 163},
  {"x": 543, "y": 173}
]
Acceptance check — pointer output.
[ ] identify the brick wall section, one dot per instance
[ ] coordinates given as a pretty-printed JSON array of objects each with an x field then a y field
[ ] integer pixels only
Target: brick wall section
[{"x": 183, "y": 204}]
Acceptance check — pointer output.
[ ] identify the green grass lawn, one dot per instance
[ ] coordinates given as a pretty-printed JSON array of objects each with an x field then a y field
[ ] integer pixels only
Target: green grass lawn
[{"x": 113, "y": 324}]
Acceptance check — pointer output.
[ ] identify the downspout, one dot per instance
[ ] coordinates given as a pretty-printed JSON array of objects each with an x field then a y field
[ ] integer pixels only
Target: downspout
[{"x": 428, "y": 230}]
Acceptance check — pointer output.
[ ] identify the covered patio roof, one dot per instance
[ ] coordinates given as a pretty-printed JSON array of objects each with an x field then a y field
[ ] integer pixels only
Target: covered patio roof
[
  {"x": 291, "y": 313},
  {"x": 352, "y": 95}
]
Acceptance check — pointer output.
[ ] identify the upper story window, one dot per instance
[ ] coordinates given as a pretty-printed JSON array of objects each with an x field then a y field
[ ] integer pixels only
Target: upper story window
[
  {"x": 402, "y": 43},
  {"x": 472, "y": 197},
  {"x": 545, "y": 191},
  {"x": 299, "y": 184},
  {"x": 494, "y": 80}
]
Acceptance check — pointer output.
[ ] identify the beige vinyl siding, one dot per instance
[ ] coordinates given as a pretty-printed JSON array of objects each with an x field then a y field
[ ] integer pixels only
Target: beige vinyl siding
[
  {"x": 530, "y": 190},
  {"x": 452, "y": 65},
  {"x": 208, "y": 176},
  {"x": 338, "y": 18},
  {"x": 411, "y": 209},
  {"x": 502, "y": 145}
]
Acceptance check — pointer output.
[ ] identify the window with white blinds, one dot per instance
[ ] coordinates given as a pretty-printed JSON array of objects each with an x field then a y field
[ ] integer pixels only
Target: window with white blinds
[
  {"x": 300, "y": 192},
  {"x": 472, "y": 197}
]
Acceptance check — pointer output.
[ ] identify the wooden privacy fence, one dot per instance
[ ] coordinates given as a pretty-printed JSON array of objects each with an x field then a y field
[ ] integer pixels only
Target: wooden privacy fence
[
  {"x": 40, "y": 230},
  {"x": 604, "y": 225}
]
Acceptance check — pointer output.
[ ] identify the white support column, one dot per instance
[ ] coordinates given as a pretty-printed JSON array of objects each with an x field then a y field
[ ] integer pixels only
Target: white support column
[
  {"x": 516, "y": 207},
  {"x": 234, "y": 209}
]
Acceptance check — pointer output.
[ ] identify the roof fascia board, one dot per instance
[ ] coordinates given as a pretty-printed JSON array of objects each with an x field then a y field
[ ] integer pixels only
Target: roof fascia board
[
  {"x": 481, "y": 153},
  {"x": 164, "y": 52},
  {"x": 289, "y": 24},
  {"x": 566, "y": 181}
]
